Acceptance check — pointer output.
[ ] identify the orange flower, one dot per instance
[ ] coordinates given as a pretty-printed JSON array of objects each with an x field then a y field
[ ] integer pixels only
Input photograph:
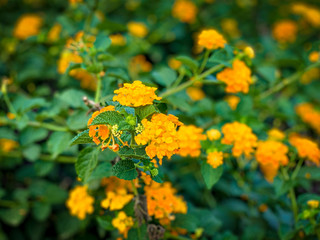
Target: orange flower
[
  {"x": 211, "y": 39},
  {"x": 184, "y": 10},
  {"x": 123, "y": 223},
  {"x": 314, "y": 56},
  {"x": 27, "y": 25},
  {"x": 189, "y": 138},
  {"x": 174, "y": 64},
  {"x": 276, "y": 134},
  {"x": 117, "y": 199},
  {"x": 215, "y": 159},
  {"x": 117, "y": 39},
  {"x": 310, "y": 13},
  {"x": 310, "y": 75},
  {"x": 137, "y": 29},
  {"x": 195, "y": 93},
  {"x": 213, "y": 134},
  {"x": 54, "y": 32},
  {"x": 238, "y": 78},
  {"x": 232, "y": 101},
  {"x": 285, "y": 31},
  {"x": 241, "y": 136},
  {"x": 7, "y": 145},
  {"x": 309, "y": 115}
]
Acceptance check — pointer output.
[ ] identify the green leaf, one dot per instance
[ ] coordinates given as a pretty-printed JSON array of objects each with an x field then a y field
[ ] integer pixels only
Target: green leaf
[
  {"x": 32, "y": 152},
  {"x": 102, "y": 42},
  {"x": 108, "y": 118},
  {"x": 86, "y": 163},
  {"x": 210, "y": 175},
  {"x": 105, "y": 222},
  {"x": 14, "y": 216},
  {"x": 164, "y": 76},
  {"x": 101, "y": 171},
  {"x": 58, "y": 142},
  {"x": 146, "y": 111},
  {"x": 189, "y": 62},
  {"x": 82, "y": 138},
  {"x": 125, "y": 169},
  {"x": 157, "y": 179},
  {"x": 31, "y": 135},
  {"x": 73, "y": 98},
  {"x": 309, "y": 173},
  {"x": 78, "y": 120},
  {"x": 41, "y": 210},
  {"x": 138, "y": 153},
  {"x": 222, "y": 56}
]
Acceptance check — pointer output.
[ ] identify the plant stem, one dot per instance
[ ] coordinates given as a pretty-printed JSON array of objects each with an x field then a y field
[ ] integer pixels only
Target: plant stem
[
  {"x": 134, "y": 189},
  {"x": 44, "y": 157},
  {"x": 98, "y": 89},
  {"x": 205, "y": 60},
  {"x": 296, "y": 171},
  {"x": 179, "y": 79}
]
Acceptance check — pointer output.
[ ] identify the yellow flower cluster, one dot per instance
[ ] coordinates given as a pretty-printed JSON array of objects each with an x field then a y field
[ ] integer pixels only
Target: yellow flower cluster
[
  {"x": 215, "y": 159},
  {"x": 123, "y": 223},
  {"x": 138, "y": 64},
  {"x": 53, "y": 34},
  {"x": 137, "y": 29},
  {"x": 213, "y": 134},
  {"x": 174, "y": 64},
  {"x": 313, "y": 203},
  {"x": 66, "y": 58},
  {"x": 285, "y": 31},
  {"x": 135, "y": 94},
  {"x": 306, "y": 148},
  {"x": 184, "y": 10},
  {"x": 309, "y": 115},
  {"x": 271, "y": 155},
  {"x": 211, "y": 39},
  {"x": 276, "y": 134},
  {"x": 314, "y": 56},
  {"x": 232, "y": 101},
  {"x": 162, "y": 201},
  {"x": 161, "y": 136},
  {"x": 309, "y": 13},
  {"x": 116, "y": 199},
  {"x": 238, "y": 78},
  {"x": 87, "y": 80},
  {"x": 80, "y": 202},
  {"x": 241, "y": 136},
  {"x": 195, "y": 93},
  {"x": 189, "y": 138},
  {"x": 310, "y": 75},
  {"x": 27, "y": 25},
  {"x": 117, "y": 39},
  {"x": 7, "y": 145}
]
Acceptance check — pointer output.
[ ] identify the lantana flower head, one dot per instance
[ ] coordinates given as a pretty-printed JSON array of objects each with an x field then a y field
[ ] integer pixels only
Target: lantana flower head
[
  {"x": 184, "y": 10},
  {"x": 189, "y": 140},
  {"x": 309, "y": 115},
  {"x": 285, "y": 31},
  {"x": 123, "y": 223},
  {"x": 27, "y": 25},
  {"x": 215, "y": 159},
  {"x": 116, "y": 200},
  {"x": 211, "y": 39},
  {"x": 137, "y": 29}
]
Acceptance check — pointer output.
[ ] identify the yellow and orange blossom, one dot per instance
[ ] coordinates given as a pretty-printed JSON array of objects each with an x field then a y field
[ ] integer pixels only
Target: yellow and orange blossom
[
  {"x": 232, "y": 101},
  {"x": 314, "y": 56},
  {"x": 211, "y": 39},
  {"x": 137, "y": 29},
  {"x": 213, "y": 134},
  {"x": 189, "y": 138},
  {"x": 117, "y": 39},
  {"x": 116, "y": 199},
  {"x": 276, "y": 134},
  {"x": 54, "y": 32},
  {"x": 184, "y": 10},
  {"x": 7, "y": 145},
  {"x": 313, "y": 203},
  {"x": 195, "y": 93},
  {"x": 27, "y": 25},
  {"x": 238, "y": 78},
  {"x": 174, "y": 64},
  {"x": 123, "y": 223},
  {"x": 135, "y": 94},
  {"x": 285, "y": 31},
  {"x": 80, "y": 203},
  {"x": 215, "y": 159},
  {"x": 309, "y": 115}
]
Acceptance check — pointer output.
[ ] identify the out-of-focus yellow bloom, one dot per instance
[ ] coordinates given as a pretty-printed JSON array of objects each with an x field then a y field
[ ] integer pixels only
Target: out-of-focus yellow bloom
[
  {"x": 276, "y": 134},
  {"x": 314, "y": 56},
  {"x": 285, "y": 31},
  {"x": 189, "y": 140},
  {"x": 27, "y": 25},
  {"x": 87, "y": 80},
  {"x": 11, "y": 115},
  {"x": 174, "y": 64},
  {"x": 80, "y": 203},
  {"x": 213, "y": 134},
  {"x": 271, "y": 155},
  {"x": 195, "y": 93},
  {"x": 232, "y": 101},
  {"x": 238, "y": 78},
  {"x": 137, "y": 29},
  {"x": 138, "y": 64},
  {"x": 7, "y": 145},
  {"x": 249, "y": 52},
  {"x": 308, "y": 12},
  {"x": 263, "y": 208},
  {"x": 230, "y": 27},
  {"x": 54, "y": 32},
  {"x": 310, "y": 75},
  {"x": 211, "y": 39},
  {"x": 123, "y": 223},
  {"x": 184, "y": 10},
  {"x": 66, "y": 58},
  {"x": 135, "y": 94},
  {"x": 309, "y": 115},
  {"x": 313, "y": 203},
  {"x": 74, "y": 2},
  {"x": 215, "y": 159},
  {"x": 242, "y": 138},
  {"x": 118, "y": 39},
  {"x": 161, "y": 136},
  {"x": 117, "y": 199},
  {"x": 306, "y": 148}
]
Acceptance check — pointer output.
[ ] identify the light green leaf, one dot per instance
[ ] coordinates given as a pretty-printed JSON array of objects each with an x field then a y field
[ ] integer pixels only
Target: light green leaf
[
  {"x": 86, "y": 163},
  {"x": 58, "y": 142},
  {"x": 164, "y": 76},
  {"x": 210, "y": 175},
  {"x": 125, "y": 169},
  {"x": 102, "y": 42},
  {"x": 189, "y": 62}
]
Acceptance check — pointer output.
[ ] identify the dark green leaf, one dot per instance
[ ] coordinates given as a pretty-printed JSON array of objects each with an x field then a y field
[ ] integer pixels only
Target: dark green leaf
[
  {"x": 189, "y": 62},
  {"x": 138, "y": 153},
  {"x": 86, "y": 162},
  {"x": 82, "y": 138},
  {"x": 58, "y": 142},
  {"x": 210, "y": 175},
  {"x": 146, "y": 111},
  {"x": 125, "y": 169},
  {"x": 102, "y": 42}
]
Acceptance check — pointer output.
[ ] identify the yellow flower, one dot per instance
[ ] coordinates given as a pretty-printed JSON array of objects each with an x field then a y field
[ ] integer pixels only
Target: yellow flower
[
  {"x": 313, "y": 203},
  {"x": 54, "y": 32},
  {"x": 7, "y": 145},
  {"x": 211, "y": 39},
  {"x": 137, "y": 29},
  {"x": 213, "y": 134},
  {"x": 189, "y": 140},
  {"x": 276, "y": 134},
  {"x": 174, "y": 64},
  {"x": 123, "y": 223},
  {"x": 117, "y": 39},
  {"x": 232, "y": 101},
  {"x": 138, "y": 64},
  {"x": 27, "y": 25},
  {"x": 135, "y": 94},
  {"x": 285, "y": 31},
  {"x": 11, "y": 115},
  {"x": 161, "y": 136},
  {"x": 66, "y": 58},
  {"x": 74, "y": 2},
  {"x": 184, "y": 10},
  {"x": 314, "y": 56},
  {"x": 249, "y": 52},
  {"x": 306, "y": 148},
  {"x": 263, "y": 207},
  {"x": 117, "y": 199},
  {"x": 271, "y": 155},
  {"x": 195, "y": 93},
  {"x": 309, "y": 13},
  {"x": 80, "y": 203},
  {"x": 310, "y": 75},
  {"x": 242, "y": 138},
  {"x": 230, "y": 27},
  {"x": 238, "y": 78},
  {"x": 87, "y": 80},
  {"x": 215, "y": 159},
  {"x": 309, "y": 115}
]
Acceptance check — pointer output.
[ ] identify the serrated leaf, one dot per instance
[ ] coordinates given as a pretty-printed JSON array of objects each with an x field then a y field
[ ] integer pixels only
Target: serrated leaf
[
  {"x": 189, "y": 62},
  {"x": 145, "y": 111},
  {"x": 86, "y": 163},
  {"x": 125, "y": 169},
  {"x": 109, "y": 117},
  {"x": 82, "y": 138},
  {"x": 138, "y": 153},
  {"x": 210, "y": 175},
  {"x": 102, "y": 42}
]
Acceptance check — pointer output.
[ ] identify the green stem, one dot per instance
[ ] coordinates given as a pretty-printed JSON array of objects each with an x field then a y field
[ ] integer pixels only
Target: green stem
[
  {"x": 205, "y": 60},
  {"x": 134, "y": 189},
  {"x": 296, "y": 171},
  {"x": 44, "y": 157},
  {"x": 180, "y": 77},
  {"x": 98, "y": 89},
  {"x": 10, "y": 106}
]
